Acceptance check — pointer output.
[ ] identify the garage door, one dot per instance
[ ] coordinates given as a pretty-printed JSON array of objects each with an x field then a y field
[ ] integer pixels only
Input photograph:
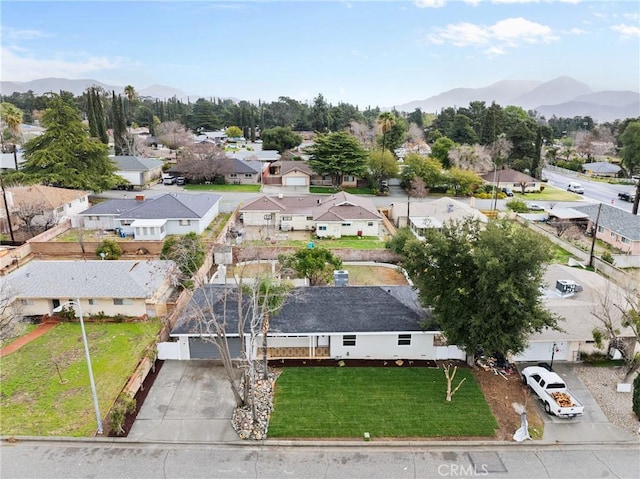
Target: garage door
[
  {"x": 203, "y": 349},
  {"x": 542, "y": 351},
  {"x": 295, "y": 181}
]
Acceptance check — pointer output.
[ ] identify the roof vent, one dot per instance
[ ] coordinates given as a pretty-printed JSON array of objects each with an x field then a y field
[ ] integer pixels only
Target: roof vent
[
  {"x": 449, "y": 207},
  {"x": 280, "y": 195},
  {"x": 566, "y": 288}
]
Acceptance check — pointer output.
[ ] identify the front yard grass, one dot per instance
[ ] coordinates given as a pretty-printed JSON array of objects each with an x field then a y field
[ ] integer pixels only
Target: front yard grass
[
  {"x": 351, "y": 242},
  {"x": 330, "y": 190},
  {"x": 229, "y": 188},
  {"x": 45, "y": 387},
  {"x": 550, "y": 193},
  {"x": 320, "y": 402}
]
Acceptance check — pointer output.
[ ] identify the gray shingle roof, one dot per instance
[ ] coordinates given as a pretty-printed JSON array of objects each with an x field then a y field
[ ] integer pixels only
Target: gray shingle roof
[
  {"x": 317, "y": 310},
  {"x": 135, "y": 163},
  {"x": 601, "y": 167},
  {"x": 89, "y": 279},
  {"x": 614, "y": 219},
  {"x": 169, "y": 206}
]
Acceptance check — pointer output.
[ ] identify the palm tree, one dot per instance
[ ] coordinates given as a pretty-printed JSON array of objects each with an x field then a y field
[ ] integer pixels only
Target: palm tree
[
  {"x": 11, "y": 119},
  {"x": 131, "y": 95},
  {"x": 386, "y": 121}
]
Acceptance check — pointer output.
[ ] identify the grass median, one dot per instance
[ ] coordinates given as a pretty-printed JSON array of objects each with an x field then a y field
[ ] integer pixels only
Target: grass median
[{"x": 322, "y": 402}]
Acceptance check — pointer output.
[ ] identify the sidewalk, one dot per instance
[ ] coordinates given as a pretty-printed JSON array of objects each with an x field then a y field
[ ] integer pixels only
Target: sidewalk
[{"x": 42, "y": 328}]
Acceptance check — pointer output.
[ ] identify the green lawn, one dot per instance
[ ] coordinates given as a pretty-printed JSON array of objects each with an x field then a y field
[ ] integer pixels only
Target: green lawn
[
  {"x": 329, "y": 190},
  {"x": 319, "y": 402},
  {"x": 352, "y": 242},
  {"x": 550, "y": 193},
  {"x": 35, "y": 402},
  {"x": 239, "y": 188}
]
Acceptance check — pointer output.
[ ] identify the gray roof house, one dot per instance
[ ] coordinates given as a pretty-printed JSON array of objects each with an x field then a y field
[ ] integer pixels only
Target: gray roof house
[
  {"x": 128, "y": 288},
  {"x": 136, "y": 170},
  {"x": 359, "y": 322},
  {"x": 153, "y": 218},
  {"x": 616, "y": 227},
  {"x": 601, "y": 168}
]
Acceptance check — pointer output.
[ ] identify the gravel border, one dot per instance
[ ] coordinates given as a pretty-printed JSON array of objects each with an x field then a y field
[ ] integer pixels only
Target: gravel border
[{"x": 602, "y": 382}]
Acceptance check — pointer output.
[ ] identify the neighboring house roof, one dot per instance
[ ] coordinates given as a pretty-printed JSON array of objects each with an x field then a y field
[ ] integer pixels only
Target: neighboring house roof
[
  {"x": 601, "y": 167},
  {"x": 314, "y": 310},
  {"x": 169, "y": 206},
  {"x": 260, "y": 155},
  {"x": 135, "y": 163},
  {"x": 613, "y": 219},
  {"x": 575, "y": 311},
  {"x": 508, "y": 175},
  {"x": 234, "y": 165},
  {"x": 337, "y": 207},
  {"x": 287, "y": 167},
  {"x": 567, "y": 213},
  {"x": 89, "y": 279},
  {"x": 442, "y": 210},
  {"x": 49, "y": 196}
]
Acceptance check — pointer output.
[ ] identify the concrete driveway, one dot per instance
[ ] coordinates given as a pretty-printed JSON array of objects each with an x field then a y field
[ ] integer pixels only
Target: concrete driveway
[
  {"x": 591, "y": 427},
  {"x": 189, "y": 401}
]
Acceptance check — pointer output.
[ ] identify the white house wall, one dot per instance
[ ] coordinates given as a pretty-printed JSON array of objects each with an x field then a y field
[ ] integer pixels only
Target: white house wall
[
  {"x": 336, "y": 230},
  {"x": 42, "y": 306},
  {"x": 384, "y": 346},
  {"x": 136, "y": 178}
]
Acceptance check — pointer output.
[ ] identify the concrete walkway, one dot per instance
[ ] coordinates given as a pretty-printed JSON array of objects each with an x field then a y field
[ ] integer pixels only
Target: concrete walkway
[{"x": 41, "y": 329}]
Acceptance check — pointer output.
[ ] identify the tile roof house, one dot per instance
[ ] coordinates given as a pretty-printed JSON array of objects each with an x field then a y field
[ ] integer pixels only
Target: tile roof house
[
  {"x": 340, "y": 214},
  {"x": 46, "y": 205},
  {"x": 153, "y": 218},
  {"x": 509, "y": 178},
  {"x": 137, "y": 170},
  {"x": 128, "y": 288},
  {"x": 582, "y": 294},
  {"x": 358, "y": 322}
]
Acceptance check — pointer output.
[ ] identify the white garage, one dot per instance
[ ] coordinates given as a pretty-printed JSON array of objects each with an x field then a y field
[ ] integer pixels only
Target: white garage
[
  {"x": 294, "y": 181},
  {"x": 543, "y": 351}
]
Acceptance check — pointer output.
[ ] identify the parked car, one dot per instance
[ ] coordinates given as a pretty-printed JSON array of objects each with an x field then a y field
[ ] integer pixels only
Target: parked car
[
  {"x": 507, "y": 191},
  {"x": 552, "y": 391},
  {"x": 534, "y": 207},
  {"x": 627, "y": 196},
  {"x": 180, "y": 180},
  {"x": 575, "y": 187}
]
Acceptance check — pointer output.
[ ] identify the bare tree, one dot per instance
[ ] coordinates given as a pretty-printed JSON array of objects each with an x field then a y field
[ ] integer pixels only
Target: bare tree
[
  {"x": 618, "y": 313},
  {"x": 475, "y": 158},
  {"x": 34, "y": 217},
  {"x": 173, "y": 135},
  {"x": 364, "y": 133},
  {"x": 10, "y": 312},
  {"x": 450, "y": 377},
  {"x": 204, "y": 163}
]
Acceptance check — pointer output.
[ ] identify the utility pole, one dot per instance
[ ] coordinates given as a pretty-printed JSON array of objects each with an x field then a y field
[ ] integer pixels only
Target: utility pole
[
  {"x": 6, "y": 208},
  {"x": 595, "y": 233}
]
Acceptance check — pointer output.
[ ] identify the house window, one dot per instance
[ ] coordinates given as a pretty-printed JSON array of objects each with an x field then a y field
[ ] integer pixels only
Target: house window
[
  {"x": 625, "y": 240},
  {"x": 69, "y": 205},
  {"x": 600, "y": 229},
  {"x": 404, "y": 340},
  {"x": 122, "y": 301},
  {"x": 286, "y": 218},
  {"x": 322, "y": 228},
  {"x": 233, "y": 175},
  {"x": 91, "y": 301},
  {"x": 349, "y": 178},
  {"x": 26, "y": 302},
  {"x": 349, "y": 340},
  {"x": 309, "y": 218},
  {"x": 346, "y": 224},
  {"x": 185, "y": 222},
  {"x": 126, "y": 222},
  {"x": 370, "y": 223},
  {"x": 248, "y": 175}
]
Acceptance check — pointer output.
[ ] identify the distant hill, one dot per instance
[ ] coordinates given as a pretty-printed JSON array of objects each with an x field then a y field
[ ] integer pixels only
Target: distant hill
[
  {"x": 562, "y": 97},
  {"x": 77, "y": 87}
]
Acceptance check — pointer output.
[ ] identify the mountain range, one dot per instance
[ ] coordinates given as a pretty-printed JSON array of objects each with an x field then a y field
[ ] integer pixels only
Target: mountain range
[{"x": 562, "y": 97}]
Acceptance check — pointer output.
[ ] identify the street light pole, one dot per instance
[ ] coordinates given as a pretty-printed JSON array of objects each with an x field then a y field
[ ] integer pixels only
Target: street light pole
[{"x": 86, "y": 352}]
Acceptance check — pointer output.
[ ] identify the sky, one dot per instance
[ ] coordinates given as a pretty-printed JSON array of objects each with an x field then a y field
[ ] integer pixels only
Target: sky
[{"x": 367, "y": 53}]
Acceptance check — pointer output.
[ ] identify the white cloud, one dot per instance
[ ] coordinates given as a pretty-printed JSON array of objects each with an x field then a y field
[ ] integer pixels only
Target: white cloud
[
  {"x": 20, "y": 65},
  {"x": 14, "y": 34},
  {"x": 511, "y": 32},
  {"x": 577, "y": 31},
  {"x": 473, "y": 3},
  {"x": 494, "y": 51},
  {"x": 626, "y": 31},
  {"x": 430, "y": 3}
]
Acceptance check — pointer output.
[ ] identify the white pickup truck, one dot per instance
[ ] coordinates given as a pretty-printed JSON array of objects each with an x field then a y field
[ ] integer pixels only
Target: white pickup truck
[{"x": 552, "y": 391}]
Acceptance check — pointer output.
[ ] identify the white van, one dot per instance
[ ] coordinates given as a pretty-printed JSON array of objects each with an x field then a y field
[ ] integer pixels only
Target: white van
[{"x": 575, "y": 187}]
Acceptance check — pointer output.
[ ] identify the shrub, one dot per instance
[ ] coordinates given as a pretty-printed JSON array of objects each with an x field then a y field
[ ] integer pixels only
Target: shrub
[
  {"x": 125, "y": 404},
  {"x": 607, "y": 257},
  {"x": 518, "y": 206},
  {"x": 110, "y": 248},
  {"x": 635, "y": 405}
]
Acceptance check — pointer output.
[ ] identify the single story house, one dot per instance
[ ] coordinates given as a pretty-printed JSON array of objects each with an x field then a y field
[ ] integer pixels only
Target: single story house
[
  {"x": 239, "y": 172},
  {"x": 153, "y": 218},
  {"x": 287, "y": 173},
  {"x": 337, "y": 215},
  {"x": 137, "y": 170},
  {"x": 43, "y": 205},
  {"x": 431, "y": 214},
  {"x": 601, "y": 168},
  {"x": 110, "y": 288},
  {"x": 573, "y": 294},
  {"x": 616, "y": 227},
  {"x": 509, "y": 178},
  {"x": 355, "y": 322}
]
